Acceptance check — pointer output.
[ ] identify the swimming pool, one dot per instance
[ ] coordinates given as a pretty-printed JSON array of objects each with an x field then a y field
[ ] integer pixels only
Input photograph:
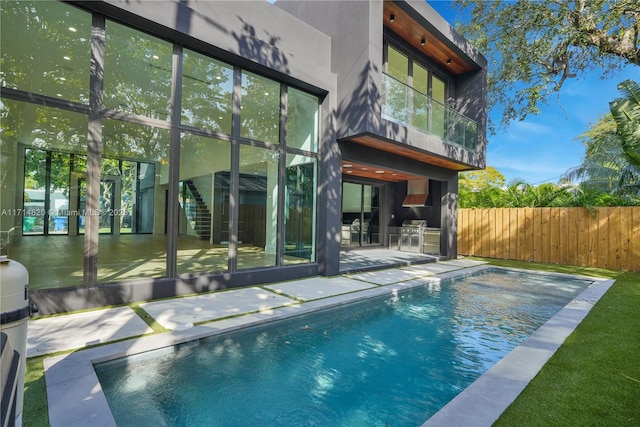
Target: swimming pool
[{"x": 394, "y": 359}]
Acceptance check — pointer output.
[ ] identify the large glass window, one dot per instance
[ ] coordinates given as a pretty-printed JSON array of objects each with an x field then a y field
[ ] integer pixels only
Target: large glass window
[
  {"x": 302, "y": 120},
  {"x": 46, "y": 49},
  {"x": 260, "y": 108},
  {"x": 124, "y": 256},
  {"x": 38, "y": 145},
  {"x": 300, "y": 207},
  {"x": 137, "y": 72},
  {"x": 257, "y": 207},
  {"x": 204, "y": 210},
  {"x": 50, "y": 178},
  {"x": 207, "y": 92}
]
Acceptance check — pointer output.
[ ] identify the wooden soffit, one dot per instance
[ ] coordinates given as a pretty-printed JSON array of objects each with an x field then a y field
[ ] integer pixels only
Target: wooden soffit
[
  {"x": 363, "y": 170},
  {"x": 413, "y": 33},
  {"x": 409, "y": 152}
]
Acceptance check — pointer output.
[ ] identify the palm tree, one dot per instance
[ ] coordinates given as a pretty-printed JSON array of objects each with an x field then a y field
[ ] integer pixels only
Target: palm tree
[
  {"x": 612, "y": 160},
  {"x": 626, "y": 113}
]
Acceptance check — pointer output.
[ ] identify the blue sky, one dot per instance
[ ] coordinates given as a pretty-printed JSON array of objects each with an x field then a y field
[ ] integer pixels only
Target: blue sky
[{"x": 543, "y": 147}]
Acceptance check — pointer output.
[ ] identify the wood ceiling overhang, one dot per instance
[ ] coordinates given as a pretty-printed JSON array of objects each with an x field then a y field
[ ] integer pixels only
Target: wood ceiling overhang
[
  {"x": 385, "y": 174},
  {"x": 439, "y": 50}
]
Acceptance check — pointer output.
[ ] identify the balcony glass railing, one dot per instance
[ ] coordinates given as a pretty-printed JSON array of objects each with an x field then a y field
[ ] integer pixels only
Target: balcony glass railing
[{"x": 402, "y": 103}]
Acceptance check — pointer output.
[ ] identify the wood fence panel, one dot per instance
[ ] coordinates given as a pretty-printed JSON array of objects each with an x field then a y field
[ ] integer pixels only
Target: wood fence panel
[
  {"x": 625, "y": 240},
  {"x": 592, "y": 240},
  {"x": 545, "y": 235},
  {"x": 513, "y": 233},
  {"x": 479, "y": 232},
  {"x": 571, "y": 256},
  {"x": 604, "y": 237},
  {"x": 635, "y": 239},
  {"x": 583, "y": 238},
  {"x": 505, "y": 241},
  {"x": 491, "y": 233},
  {"x": 615, "y": 240},
  {"x": 602, "y": 225},
  {"x": 462, "y": 232},
  {"x": 555, "y": 227},
  {"x": 467, "y": 231},
  {"x": 499, "y": 224},
  {"x": 472, "y": 231},
  {"x": 535, "y": 232},
  {"x": 485, "y": 236}
]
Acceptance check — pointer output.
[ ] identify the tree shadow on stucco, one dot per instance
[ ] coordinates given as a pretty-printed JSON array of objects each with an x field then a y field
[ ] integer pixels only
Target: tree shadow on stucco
[
  {"x": 252, "y": 47},
  {"x": 360, "y": 112}
]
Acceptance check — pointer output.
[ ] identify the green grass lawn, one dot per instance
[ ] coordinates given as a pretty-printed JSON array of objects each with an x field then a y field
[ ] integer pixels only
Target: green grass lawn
[
  {"x": 594, "y": 377},
  {"x": 592, "y": 380}
]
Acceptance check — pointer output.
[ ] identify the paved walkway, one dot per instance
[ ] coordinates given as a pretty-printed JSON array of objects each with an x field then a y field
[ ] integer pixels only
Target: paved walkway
[{"x": 78, "y": 330}]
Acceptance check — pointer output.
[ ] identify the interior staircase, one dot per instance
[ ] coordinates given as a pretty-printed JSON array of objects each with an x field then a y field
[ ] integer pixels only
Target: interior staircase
[{"x": 202, "y": 213}]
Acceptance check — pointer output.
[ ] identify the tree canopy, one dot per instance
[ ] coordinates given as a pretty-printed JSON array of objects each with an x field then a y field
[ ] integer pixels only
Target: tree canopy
[{"x": 534, "y": 46}]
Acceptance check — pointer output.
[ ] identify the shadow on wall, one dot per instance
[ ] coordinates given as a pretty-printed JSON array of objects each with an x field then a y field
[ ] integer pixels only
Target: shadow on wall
[
  {"x": 361, "y": 111},
  {"x": 266, "y": 53}
]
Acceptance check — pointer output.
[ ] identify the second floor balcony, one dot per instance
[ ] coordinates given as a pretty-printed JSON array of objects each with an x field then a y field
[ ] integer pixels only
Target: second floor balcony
[{"x": 405, "y": 105}]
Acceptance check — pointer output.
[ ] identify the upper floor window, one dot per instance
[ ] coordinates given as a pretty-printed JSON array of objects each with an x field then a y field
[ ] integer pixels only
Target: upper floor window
[
  {"x": 411, "y": 72},
  {"x": 415, "y": 96}
]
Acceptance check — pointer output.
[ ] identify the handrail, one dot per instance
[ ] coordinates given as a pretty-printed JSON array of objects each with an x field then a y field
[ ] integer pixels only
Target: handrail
[{"x": 410, "y": 107}]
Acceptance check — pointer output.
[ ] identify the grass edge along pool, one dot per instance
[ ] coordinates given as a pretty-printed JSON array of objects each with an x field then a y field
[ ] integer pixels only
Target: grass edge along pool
[{"x": 325, "y": 374}]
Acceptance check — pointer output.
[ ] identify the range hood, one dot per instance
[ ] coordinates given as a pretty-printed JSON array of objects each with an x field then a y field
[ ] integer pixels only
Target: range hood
[{"x": 417, "y": 193}]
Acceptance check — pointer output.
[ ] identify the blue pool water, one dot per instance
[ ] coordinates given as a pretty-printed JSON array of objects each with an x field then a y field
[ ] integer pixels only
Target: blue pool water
[{"x": 388, "y": 361}]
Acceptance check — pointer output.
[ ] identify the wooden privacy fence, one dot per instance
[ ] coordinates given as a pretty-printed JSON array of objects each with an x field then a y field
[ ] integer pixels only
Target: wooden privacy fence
[{"x": 604, "y": 237}]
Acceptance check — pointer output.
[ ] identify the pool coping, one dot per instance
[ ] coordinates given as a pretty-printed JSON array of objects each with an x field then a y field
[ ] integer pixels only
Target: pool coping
[
  {"x": 482, "y": 402},
  {"x": 76, "y": 398}
]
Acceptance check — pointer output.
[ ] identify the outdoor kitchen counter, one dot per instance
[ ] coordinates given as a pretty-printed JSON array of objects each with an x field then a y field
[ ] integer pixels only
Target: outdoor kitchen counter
[{"x": 431, "y": 241}]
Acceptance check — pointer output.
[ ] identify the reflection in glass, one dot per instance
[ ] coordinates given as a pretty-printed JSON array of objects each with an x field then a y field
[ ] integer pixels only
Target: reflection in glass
[
  {"x": 133, "y": 255},
  {"x": 260, "y": 108},
  {"x": 35, "y": 172},
  {"x": 203, "y": 205},
  {"x": 32, "y": 138},
  {"x": 397, "y": 64},
  {"x": 58, "y": 204},
  {"x": 300, "y": 210},
  {"x": 360, "y": 214},
  {"x": 421, "y": 102},
  {"x": 395, "y": 99},
  {"x": 438, "y": 95},
  {"x": 137, "y": 72},
  {"x": 45, "y": 48},
  {"x": 207, "y": 92},
  {"x": 371, "y": 215},
  {"x": 258, "y": 207},
  {"x": 302, "y": 120}
]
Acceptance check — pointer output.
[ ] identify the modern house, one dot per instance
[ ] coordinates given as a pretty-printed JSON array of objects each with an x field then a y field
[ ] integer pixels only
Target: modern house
[{"x": 153, "y": 149}]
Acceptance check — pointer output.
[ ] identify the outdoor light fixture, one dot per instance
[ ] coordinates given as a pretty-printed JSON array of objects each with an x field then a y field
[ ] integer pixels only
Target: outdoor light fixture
[
  {"x": 422, "y": 42},
  {"x": 448, "y": 62},
  {"x": 392, "y": 18}
]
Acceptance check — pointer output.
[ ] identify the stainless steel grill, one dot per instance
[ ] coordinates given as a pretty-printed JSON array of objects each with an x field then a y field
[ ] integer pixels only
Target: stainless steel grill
[{"x": 412, "y": 235}]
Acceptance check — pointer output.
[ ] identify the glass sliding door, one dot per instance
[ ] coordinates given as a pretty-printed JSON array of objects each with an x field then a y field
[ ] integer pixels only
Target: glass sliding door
[
  {"x": 360, "y": 214},
  {"x": 257, "y": 207},
  {"x": 300, "y": 206},
  {"x": 370, "y": 215}
]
